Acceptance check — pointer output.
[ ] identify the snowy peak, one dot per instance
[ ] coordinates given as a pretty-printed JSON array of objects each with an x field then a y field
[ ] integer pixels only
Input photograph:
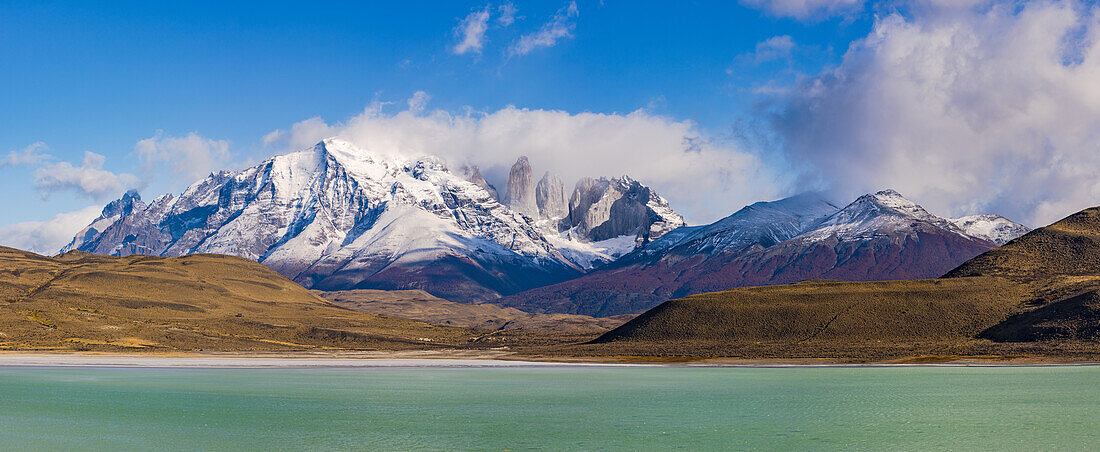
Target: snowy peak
[
  {"x": 886, "y": 202},
  {"x": 995, "y": 228},
  {"x": 473, "y": 174},
  {"x": 800, "y": 211},
  {"x": 763, "y": 224},
  {"x": 112, "y": 212},
  {"x": 883, "y": 213},
  {"x": 123, "y": 206}
]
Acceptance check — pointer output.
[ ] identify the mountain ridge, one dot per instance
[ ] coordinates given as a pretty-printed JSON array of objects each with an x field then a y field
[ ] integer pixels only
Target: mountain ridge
[
  {"x": 878, "y": 236},
  {"x": 337, "y": 217}
]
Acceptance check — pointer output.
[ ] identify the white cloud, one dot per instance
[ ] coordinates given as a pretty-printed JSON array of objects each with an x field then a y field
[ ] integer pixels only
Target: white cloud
[
  {"x": 986, "y": 109},
  {"x": 559, "y": 27},
  {"x": 471, "y": 32},
  {"x": 190, "y": 156},
  {"x": 418, "y": 101},
  {"x": 273, "y": 137},
  {"x": 302, "y": 135},
  {"x": 702, "y": 178},
  {"x": 29, "y": 155},
  {"x": 89, "y": 179},
  {"x": 507, "y": 14},
  {"x": 805, "y": 9},
  {"x": 773, "y": 48},
  {"x": 47, "y": 237}
]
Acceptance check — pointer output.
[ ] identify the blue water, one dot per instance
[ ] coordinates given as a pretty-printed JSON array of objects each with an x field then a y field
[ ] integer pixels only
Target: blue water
[{"x": 563, "y": 408}]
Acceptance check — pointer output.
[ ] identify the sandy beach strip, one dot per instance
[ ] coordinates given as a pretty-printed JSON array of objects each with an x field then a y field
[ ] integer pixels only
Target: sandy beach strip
[
  {"x": 437, "y": 359},
  {"x": 269, "y": 362}
]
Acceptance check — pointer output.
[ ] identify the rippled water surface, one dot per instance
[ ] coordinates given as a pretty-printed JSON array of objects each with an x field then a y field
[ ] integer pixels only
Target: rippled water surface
[{"x": 561, "y": 408}]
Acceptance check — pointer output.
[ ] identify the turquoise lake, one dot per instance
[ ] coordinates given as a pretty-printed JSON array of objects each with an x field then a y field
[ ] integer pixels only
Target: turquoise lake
[{"x": 559, "y": 408}]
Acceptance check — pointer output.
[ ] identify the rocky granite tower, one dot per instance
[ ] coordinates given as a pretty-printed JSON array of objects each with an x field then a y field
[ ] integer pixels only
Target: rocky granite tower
[{"x": 520, "y": 196}]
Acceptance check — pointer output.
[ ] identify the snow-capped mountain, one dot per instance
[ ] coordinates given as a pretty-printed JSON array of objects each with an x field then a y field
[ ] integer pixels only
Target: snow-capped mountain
[
  {"x": 337, "y": 217},
  {"x": 876, "y": 215},
  {"x": 761, "y": 224},
  {"x": 995, "y": 228},
  {"x": 878, "y": 236}
]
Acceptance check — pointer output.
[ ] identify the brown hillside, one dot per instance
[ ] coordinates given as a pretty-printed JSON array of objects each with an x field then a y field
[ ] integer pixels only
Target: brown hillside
[
  {"x": 208, "y": 302},
  {"x": 1042, "y": 289},
  {"x": 1070, "y": 247},
  {"x": 830, "y": 311},
  {"x": 420, "y": 305}
]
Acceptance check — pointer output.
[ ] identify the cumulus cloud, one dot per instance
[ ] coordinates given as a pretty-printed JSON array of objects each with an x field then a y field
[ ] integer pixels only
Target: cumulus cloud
[
  {"x": 559, "y": 27},
  {"x": 471, "y": 32},
  {"x": 35, "y": 153},
  {"x": 703, "y": 179},
  {"x": 991, "y": 109},
  {"x": 303, "y": 134},
  {"x": 89, "y": 179},
  {"x": 773, "y": 48},
  {"x": 805, "y": 9},
  {"x": 190, "y": 156},
  {"x": 47, "y": 237},
  {"x": 507, "y": 14}
]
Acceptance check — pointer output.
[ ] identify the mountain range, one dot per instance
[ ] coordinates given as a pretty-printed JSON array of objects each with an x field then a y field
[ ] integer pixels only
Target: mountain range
[
  {"x": 337, "y": 217},
  {"x": 879, "y": 236}
]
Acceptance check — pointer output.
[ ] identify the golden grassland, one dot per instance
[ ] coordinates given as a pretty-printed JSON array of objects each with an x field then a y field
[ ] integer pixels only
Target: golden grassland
[
  {"x": 79, "y": 301},
  {"x": 420, "y": 305},
  {"x": 1037, "y": 296},
  {"x": 1036, "y": 299}
]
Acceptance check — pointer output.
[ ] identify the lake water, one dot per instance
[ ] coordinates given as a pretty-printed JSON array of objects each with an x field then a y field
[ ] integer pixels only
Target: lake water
[{"x": 560, "y": 408}]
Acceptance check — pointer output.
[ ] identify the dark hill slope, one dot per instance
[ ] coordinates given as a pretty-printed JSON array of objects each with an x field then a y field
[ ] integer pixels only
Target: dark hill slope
[
  {"x": 1043, "y": 286},
  {"x": 892, "y": 311}
]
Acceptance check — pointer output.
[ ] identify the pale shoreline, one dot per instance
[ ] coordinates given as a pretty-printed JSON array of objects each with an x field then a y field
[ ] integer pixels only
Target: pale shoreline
[{"x": 370, "y": 360}]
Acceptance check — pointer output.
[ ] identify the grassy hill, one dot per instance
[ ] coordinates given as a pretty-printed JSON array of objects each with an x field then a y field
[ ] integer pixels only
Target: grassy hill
[
  {"x": 1068, "y": 249},
  {"x": 420, "y": 305},
  {"x": 1039, "y": 294},
  {"x": 199, "y": 302}
]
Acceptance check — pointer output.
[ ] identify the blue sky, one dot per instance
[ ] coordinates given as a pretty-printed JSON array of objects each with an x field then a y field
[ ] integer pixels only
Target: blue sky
[
  {"x": 800, "y": 94},
  {"x": 100, "y": 77}
]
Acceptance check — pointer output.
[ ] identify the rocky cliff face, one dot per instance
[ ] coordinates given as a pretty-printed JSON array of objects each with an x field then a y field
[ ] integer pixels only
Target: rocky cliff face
[
  {"x": 473, "y": 174},
  {"x": 602, "y": 209},
  {"x": 550, "y": 197},
  {"x": 520, "y": 196}
]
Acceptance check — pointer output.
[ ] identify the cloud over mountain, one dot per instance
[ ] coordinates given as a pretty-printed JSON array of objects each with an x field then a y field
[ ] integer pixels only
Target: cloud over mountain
[
  {"x": 191, "y": 156},
  {"x": 988, "y": 108},
  {"x": 46, "y": 237},
  {"x": 703, "y": 178},
  {"x": 89, "y": 179}
]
